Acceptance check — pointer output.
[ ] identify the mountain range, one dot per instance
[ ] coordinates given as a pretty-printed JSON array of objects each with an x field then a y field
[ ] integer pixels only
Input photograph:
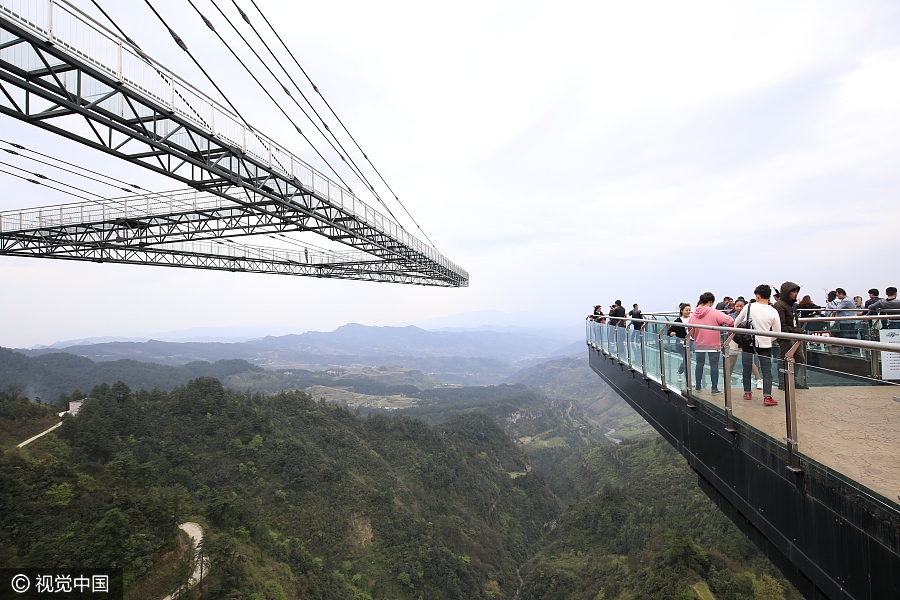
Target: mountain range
[{"x": 467, "y": 357}]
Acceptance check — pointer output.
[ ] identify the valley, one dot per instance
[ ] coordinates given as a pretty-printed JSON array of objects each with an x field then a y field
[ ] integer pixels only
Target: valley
[{"x": 361, "y": 481}]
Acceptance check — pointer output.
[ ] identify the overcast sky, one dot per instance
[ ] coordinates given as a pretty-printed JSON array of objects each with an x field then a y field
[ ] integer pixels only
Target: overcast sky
[{"x": 564, "y": 153}]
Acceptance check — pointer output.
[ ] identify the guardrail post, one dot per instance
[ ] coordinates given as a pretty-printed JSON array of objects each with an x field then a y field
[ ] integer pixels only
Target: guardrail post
[
  {"x": 50, "y": 36},
  {"x": 172, "y": 92},
  {"x": 874, "y": 356},
  {"x": 688, "y": 380},
  {"x": 790, "y": 410},
  {"x": 628, "y": 346},
  {"x": 644, "y": 353},
  {"x": 729, "y": 365},
  {"x": 662, "y": 357}
]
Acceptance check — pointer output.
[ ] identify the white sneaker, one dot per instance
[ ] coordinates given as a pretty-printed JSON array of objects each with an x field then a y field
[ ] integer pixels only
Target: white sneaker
[{"x": 759, "y": 384}]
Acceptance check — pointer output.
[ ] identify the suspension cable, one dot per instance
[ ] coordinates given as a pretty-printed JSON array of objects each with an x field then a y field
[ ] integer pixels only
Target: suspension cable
[
  {"x": 36, "y": 182},
  {"x": 262, "y": 87},
  {"x": 42, "y": 176},
  {"x": 22, "y": 149},
  {"x": 184, "y": 47},
  {"x": 37, "y": 160},
  {"x": 357, "y": 171},
  {"x": 305, "y": 74}
]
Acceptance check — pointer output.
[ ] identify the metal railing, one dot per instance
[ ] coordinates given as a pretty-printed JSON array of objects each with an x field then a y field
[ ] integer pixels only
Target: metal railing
[
  {"x": 655, "y": 362},
  {"x": 140, "y": 205}
]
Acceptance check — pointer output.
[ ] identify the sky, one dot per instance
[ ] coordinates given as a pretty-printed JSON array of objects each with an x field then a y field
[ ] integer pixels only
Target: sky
[{"x": 565, "y": 154}]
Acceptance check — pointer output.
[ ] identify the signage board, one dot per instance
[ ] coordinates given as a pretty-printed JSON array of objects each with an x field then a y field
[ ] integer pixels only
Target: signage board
[{"x": 890, "y": 361}]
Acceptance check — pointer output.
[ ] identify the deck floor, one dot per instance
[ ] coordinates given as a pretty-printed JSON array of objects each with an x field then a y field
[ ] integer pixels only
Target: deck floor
[{"x": 853, "y": 430}]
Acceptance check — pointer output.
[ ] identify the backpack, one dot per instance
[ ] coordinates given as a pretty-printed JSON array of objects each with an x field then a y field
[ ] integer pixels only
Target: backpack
[{"x": 746, "y": 341}]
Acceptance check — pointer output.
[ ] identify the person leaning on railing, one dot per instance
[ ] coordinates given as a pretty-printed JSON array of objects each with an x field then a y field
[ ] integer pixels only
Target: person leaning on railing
[
  {"x": 617, "y": 318},
  {"x": 889, "y": 306},
  {"x": 707, "y": 342},
  {"x": 597, "y": 316},
  {"x": 845, "y": 307},
  {"x": 678, "y": 331},
  {"x": 808, "y": 309}
]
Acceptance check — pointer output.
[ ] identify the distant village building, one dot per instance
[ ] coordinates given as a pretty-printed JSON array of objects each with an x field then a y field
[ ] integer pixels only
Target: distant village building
[{"x": 74, "y": 407}]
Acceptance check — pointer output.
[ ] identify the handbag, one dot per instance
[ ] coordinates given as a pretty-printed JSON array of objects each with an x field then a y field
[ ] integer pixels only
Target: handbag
[{"x": 746, "y": 341}]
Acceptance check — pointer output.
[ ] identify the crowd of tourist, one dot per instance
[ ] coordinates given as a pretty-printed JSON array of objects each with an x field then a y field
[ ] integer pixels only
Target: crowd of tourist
[{"x": 770, "y": 309}]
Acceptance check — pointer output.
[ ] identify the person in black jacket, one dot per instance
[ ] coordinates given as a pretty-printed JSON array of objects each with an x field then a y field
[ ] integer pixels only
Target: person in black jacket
[
  {"x": 788, "y": 314},
  {"x": 680, "y": 333},
  {"x": 617, "y": 318},
  {"x": 635, "y": 313}
]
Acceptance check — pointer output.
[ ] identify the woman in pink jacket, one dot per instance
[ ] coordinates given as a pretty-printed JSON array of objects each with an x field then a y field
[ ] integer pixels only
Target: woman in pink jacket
[{"x": 707, "y": 342}]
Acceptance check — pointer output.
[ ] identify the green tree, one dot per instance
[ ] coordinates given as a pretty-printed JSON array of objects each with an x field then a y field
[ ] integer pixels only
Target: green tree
[{"x": 766, "y": 587}]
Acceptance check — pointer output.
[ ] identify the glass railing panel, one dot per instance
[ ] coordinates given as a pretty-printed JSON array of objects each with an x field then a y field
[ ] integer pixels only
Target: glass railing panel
[
  {"x": 635, "y": 340},
  {"x": 675, "y": 361},
  {"x": 660, "y": 360},
  {"x": 619, "y": 336},
  {"x": 707, "y": 376},
  {"x": 651, "y": 351}
]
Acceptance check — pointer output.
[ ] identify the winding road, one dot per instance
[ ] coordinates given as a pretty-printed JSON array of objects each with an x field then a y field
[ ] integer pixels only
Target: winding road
[
  {"x": 195, "y": 532},
  {"x": 29, "y": 440}
]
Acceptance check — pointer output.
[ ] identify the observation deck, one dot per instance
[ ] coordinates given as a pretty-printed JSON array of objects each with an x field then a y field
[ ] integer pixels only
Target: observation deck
[{"x": 813, "y": 481}]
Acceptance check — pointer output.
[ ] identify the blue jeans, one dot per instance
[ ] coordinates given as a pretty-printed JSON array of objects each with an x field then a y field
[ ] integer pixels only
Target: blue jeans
[
  {"x": 765, "y": 367},
  {"x": 700, "y": 357}
]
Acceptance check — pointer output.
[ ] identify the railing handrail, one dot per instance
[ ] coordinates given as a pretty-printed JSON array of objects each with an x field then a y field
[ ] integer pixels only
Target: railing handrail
[
  {"x": 814, "y": 339},
  {"x": 856, "y": 318}
]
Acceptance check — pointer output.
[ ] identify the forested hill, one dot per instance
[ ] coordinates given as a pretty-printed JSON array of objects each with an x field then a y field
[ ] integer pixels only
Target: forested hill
[
  {"x": 637, "y": 526},
  {"x": 47, "y": 376},
  {"x": 299, "y": 499}
]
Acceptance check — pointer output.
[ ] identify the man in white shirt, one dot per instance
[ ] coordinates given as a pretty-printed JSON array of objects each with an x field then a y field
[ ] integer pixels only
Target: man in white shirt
[{"x": 763, "y": 317}]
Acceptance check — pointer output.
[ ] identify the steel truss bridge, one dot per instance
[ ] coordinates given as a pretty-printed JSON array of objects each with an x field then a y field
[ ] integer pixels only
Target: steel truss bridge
[{"x": 63, "y": 72}]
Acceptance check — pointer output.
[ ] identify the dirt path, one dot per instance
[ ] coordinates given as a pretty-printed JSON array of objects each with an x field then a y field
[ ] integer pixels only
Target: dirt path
[
  {"x": 29, "y": 440},
  {"x": 195, "y": 532}
]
